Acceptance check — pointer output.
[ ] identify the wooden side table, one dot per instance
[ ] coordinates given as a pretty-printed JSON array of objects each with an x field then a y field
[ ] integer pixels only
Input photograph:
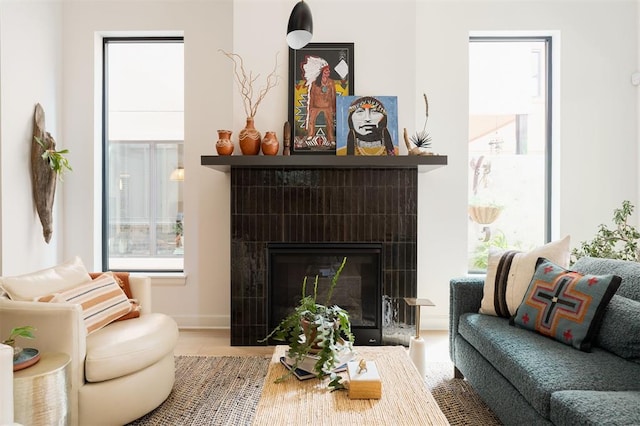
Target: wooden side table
[
  {"x": 417, "y": 345},
  {"x": 41, "y": 392}
]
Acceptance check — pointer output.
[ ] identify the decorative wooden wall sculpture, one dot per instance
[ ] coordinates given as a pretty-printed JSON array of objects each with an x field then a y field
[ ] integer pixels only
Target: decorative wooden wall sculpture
[{"x": 43, "y": 176}]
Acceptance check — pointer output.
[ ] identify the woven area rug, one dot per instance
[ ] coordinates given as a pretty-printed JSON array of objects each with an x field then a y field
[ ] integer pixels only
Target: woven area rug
[
  {"x": 226, "y": 390},
  {"x": 456, "y": 398},
  {"x": 211, "y": 391}
]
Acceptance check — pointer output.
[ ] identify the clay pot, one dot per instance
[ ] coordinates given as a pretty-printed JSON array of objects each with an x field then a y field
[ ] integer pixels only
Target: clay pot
[
  {"x": 224, "y": 146},
  {"x": 250, "y": 139},
  {"x": 270, "y": 144}
]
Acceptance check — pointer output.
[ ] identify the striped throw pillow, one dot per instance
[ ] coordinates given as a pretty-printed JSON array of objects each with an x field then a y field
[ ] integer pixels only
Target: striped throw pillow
[
  {"x": 509, "y": 274},
  {"x": 102, "y": 301}
]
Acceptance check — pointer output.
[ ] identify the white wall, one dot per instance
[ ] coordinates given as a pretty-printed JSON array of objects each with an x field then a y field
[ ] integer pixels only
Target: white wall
[
  {"x": 30, "y": 73},
  {"x": 203, "y": 300},
  {"x": 596, "y": 52},
  {"x": 402, "y": 48}
]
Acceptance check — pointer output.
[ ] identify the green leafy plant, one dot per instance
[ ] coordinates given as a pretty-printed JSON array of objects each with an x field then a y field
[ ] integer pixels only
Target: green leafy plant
[
  {"x": 56, "y": 159},
  {"x": 621, "y": 242},
  {"x": 24, "y": 331},
  {"x": 322, "y": 330},
  {"x": 481, "y": 252}
]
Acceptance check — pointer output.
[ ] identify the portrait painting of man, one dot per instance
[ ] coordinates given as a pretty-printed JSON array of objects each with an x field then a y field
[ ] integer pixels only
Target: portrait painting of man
[
  {"x": 321, "y": 73},
  {"x": 367, "y": 125}
]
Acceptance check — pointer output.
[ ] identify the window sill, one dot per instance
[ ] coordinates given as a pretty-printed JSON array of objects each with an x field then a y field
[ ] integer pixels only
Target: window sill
[{"x": 166, "y": 279}]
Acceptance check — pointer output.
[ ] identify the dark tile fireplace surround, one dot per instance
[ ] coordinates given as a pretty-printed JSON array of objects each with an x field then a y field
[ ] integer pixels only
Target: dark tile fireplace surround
[{"x": 315, "y": 205}]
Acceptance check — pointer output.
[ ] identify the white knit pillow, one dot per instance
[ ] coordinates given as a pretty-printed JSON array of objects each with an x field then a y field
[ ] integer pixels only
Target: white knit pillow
[{"x": 509, "y": 274}]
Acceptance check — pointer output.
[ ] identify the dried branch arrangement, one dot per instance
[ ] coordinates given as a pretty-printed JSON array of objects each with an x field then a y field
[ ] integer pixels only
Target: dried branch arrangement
[
  {"x": 245, "y": 82},
  {"x": 421, "y": 140}
]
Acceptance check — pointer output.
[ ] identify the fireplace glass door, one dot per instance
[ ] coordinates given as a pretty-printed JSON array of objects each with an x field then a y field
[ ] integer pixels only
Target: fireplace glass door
[{"x": 358, "y": 291}]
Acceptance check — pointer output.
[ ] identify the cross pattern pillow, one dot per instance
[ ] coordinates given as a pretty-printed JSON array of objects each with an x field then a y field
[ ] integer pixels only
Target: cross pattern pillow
[
  {"x": 565, "y": 305},
  {"x": 509, "y": 274},
  {"x": 102, "y": 301}
]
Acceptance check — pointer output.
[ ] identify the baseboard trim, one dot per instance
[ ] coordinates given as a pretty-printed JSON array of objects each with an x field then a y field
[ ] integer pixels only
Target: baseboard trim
[
  {"x": 433, "y": 322},
  {"x": 202, "y": 321}
]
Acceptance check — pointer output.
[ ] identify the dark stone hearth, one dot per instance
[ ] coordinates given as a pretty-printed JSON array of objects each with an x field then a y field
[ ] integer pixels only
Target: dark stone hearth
[{"x": 321, "y": 205}]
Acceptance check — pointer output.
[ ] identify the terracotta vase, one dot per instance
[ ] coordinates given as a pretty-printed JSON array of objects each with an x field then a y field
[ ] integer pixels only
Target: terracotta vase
[
  {"x": 270, "y": 144},
  {"x": 250, "y": 139},
  {"x": 224, "y": 146}
]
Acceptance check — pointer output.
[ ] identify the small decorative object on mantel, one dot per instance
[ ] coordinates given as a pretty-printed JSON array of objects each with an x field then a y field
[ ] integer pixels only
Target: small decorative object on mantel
[
  {"x": 224, "y": 146},
  {"x": 421, "y": 140},
  {"x": 270, "y": 144},
  {"x": 46, "y": 165},
  {"x": 321, "y": 333},
  {"x": 250, "y": 138},
  {"x": 286, "y": 150}
]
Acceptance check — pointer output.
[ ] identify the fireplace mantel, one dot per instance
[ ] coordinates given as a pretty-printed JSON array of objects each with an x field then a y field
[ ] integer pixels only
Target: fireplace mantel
[{"x": 424, "y": 163}]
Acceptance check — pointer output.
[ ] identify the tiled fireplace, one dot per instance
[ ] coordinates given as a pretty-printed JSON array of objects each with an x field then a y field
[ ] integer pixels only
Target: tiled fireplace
[{"x": 322, "y": 205}]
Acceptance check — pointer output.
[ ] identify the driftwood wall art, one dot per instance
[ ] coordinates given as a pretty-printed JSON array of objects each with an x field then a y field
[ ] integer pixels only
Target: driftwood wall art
[{"x": 43, "y": 176}]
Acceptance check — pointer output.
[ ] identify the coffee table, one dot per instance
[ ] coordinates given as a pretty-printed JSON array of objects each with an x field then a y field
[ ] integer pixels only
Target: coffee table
[{"x": 405, "y": 397}]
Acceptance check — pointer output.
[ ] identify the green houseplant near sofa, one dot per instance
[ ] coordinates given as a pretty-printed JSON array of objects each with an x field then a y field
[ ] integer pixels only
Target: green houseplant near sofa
[{"x": 318, "y": 329}]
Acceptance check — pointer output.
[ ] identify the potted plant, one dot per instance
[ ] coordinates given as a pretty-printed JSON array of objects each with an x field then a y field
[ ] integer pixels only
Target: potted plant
[
  {"x": 24, "y": 331},
  {"x": 320, "y": 330}
]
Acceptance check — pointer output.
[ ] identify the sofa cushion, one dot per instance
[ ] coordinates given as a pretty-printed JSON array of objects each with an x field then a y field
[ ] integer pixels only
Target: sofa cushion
[
  {"x": 565, "y": 305},
  {"x": 125, "y": 347},
  {"x": 620, "y": 328},
  {"x": 594, "y": 408},
  {"x": 627, "y": 270},
  {"x": 45, "y": 281},
  {"x": 538, "y": 366},
  {"x": 102, "y": 301},
  {"x": 509, "y": 274}
]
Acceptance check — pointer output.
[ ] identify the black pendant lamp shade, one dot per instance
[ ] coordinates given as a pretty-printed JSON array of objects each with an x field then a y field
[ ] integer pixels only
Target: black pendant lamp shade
[{"x": 300, "y": 28}]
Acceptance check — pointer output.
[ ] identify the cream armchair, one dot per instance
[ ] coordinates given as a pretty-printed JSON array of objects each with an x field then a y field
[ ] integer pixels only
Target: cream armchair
[{"x": 118, "y": 373}]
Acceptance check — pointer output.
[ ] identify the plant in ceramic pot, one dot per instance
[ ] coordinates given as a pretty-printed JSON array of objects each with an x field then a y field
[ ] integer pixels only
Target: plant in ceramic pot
[
  {"x": 25, "y": 332},
  {"x": 318, "y": 329},
  {"x": 249, "y": 137}
]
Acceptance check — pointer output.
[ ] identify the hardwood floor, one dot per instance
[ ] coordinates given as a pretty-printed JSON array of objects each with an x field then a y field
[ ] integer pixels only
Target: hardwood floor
[{"x": 212, "y": 342}]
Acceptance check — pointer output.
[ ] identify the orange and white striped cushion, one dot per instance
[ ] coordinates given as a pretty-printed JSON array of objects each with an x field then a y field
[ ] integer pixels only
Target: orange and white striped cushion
[{"x": 102, "y": 301}]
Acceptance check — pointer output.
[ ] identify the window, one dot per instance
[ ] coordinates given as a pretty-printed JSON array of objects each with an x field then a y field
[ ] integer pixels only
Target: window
[
  {"x": 143, "y": 154},
  {"x": 509, "y": 145}
]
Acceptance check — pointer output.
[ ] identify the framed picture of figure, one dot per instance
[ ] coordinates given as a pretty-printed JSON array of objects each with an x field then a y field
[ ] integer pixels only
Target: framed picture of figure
[
  {"x": 319, "y": 73},
  {"x": 367, "y": 125}
]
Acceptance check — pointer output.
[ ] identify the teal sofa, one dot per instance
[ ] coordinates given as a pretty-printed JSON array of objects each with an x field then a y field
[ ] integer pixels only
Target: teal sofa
[{"x": 530, "y": 379}]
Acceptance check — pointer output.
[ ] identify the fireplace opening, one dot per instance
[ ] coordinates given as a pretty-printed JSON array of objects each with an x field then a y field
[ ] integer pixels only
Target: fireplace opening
[{"x": 359, "y": 288}]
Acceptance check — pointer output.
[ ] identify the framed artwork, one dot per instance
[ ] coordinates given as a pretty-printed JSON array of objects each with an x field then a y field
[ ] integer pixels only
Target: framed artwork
[
  {"x": 319, "y": 73},
  {"x": 367, "y": 125}
]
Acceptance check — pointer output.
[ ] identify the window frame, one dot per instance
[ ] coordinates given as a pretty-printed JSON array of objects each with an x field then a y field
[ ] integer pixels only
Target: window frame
[
  {"x": 549, "y": 101},
  {"x": 105, "y": 145}
]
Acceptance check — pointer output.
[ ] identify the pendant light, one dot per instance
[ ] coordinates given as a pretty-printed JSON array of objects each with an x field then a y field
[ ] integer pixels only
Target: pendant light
[{"x": 300, "y": 28}]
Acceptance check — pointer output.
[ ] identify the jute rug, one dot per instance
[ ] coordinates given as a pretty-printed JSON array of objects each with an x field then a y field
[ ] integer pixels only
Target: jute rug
[{"x": 226, "y": 390}]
